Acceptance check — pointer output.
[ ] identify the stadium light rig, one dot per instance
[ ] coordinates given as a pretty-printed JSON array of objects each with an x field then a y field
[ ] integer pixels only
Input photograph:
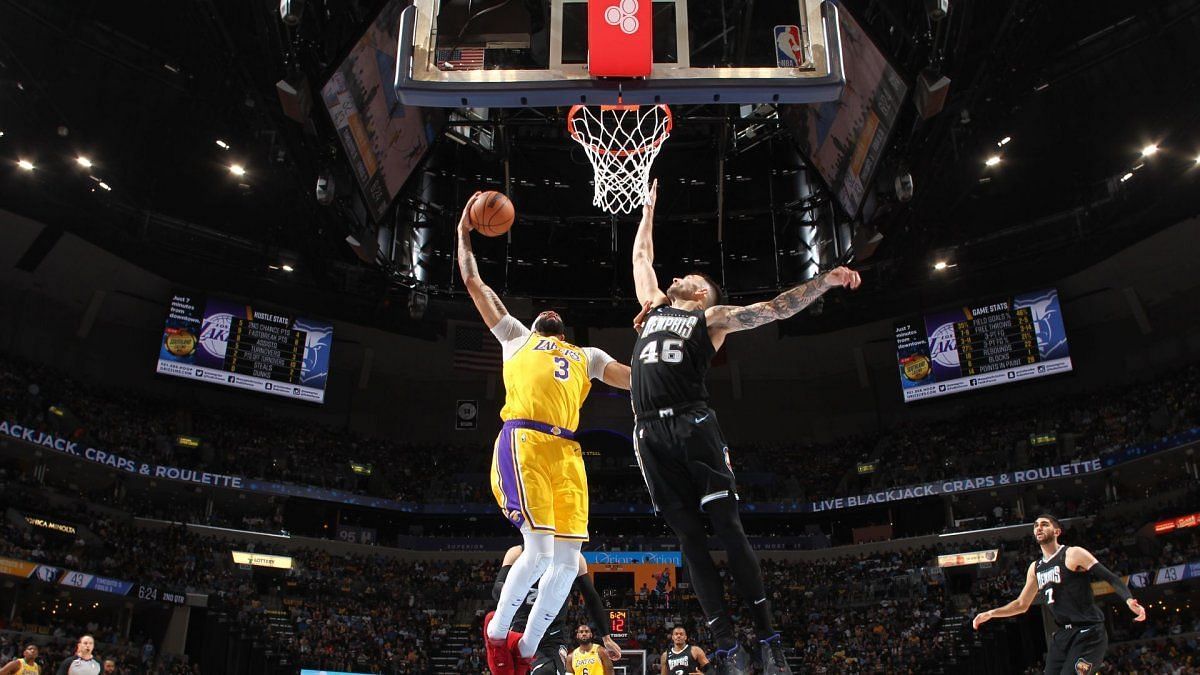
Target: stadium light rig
[
  {"x": 940, "y": 265},
  {"x": 25, "y": 164},
  {"x": 1003, "y": 141},
  {"x": 237, "y": 170},
  {"x": 222, "y": 144},
  {"x": 992, "y": 161},
  {"x": 83, "y": 161},
  {"x": 1149, "y": 150}
]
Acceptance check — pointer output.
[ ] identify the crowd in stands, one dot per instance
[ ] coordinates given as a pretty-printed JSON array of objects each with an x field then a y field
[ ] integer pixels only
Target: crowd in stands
[
  {"x": 59, "y": 642},
  {"x": 144, "y": 428},
  {"x": 879, "y": 612}
]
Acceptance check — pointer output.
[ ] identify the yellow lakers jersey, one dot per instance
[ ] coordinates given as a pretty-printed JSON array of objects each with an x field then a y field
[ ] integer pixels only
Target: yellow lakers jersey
[
  {"x": 586, "y": 663},
  {"x": 28, "y": 668},
  {"x": 546, "y": 380}
]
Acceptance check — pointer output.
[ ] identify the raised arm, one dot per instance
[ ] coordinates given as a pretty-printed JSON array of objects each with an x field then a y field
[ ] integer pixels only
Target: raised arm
[
  {"x": 1018, "y": 606},
  {"x": 725, "y": 319},
  {"x": 645, "y": 281},
  {"x": 486, "y": 301}
]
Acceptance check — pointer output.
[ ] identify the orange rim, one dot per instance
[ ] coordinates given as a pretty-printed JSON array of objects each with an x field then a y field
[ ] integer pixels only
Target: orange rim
[{"x": 578, "y": 135}]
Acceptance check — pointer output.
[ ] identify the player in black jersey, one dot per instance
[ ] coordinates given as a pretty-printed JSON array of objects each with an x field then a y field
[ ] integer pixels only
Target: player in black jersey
[
  {"x": 551, "y": 654},
  {"x": 1063, "y": 577},
  {"x": 679, "y": 445},
  {"x": 682, "y": 658}
]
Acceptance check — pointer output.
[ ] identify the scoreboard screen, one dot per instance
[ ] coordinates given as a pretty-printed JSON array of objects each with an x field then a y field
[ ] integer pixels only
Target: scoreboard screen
[
  {"x": 246, "y": 347},
  {"x": 618, "y": 624},
  {"x": 981, "y": 345}
]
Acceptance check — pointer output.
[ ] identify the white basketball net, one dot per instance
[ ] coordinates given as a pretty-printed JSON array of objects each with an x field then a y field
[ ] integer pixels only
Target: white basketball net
[{"x": 621, "y": 143}]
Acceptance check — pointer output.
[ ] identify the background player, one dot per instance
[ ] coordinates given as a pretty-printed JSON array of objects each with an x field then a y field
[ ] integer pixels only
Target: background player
[
  {"x": 26, "y": 665},
  {"x": 551, "y": 655},
  {"x": 1063, "y": 576},
  {"x": 682, "y": 658},
  {"x": 679, "y": 446},
  {"x": 588, "y": 658},
  {"x": 537, "y": 467},
  {"x": 82, "y": 663}
]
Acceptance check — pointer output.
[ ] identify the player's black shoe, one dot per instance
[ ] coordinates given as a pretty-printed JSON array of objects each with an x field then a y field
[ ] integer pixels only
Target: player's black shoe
[
  {"x": 774, "y": 660},
  {"x": 729, "y": 661}
]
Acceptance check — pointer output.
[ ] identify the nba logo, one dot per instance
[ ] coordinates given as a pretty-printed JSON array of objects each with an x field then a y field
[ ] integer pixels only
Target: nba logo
[{"x": 789, "y": 49}]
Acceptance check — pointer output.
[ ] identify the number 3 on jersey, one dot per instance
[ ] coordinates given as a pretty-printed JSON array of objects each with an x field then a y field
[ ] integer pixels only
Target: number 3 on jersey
[
  {"x": 561, "y": 371},
  {"x": 672, "y": 352}
]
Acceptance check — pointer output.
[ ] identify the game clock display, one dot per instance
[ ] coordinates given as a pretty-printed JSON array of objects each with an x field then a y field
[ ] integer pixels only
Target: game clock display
[
  {"x": 618, "y": 624},
  {"x": 981, "y": 345},
  {"x": 243, "y": 346}
]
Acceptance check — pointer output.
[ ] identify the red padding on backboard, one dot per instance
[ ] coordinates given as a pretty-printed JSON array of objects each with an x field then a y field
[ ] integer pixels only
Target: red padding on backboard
[{"x": 620, "y": 36}]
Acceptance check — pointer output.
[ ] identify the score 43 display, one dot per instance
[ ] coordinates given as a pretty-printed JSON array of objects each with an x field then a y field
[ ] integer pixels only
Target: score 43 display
[
  {"x": 238, "y": 345},
  {"x": 983, "y": 344}
]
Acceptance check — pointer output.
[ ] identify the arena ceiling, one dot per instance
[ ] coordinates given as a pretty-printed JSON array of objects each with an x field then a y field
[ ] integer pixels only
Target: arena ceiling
[{"x": 145, "y": 90}]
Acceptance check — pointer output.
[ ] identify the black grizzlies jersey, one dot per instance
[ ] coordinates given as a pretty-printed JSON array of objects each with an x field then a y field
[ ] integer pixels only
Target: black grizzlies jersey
[
  {"x": 670, "y": 360},
  {"x": 681, "y": 663},
  {"x": 1068, "y": 594}
]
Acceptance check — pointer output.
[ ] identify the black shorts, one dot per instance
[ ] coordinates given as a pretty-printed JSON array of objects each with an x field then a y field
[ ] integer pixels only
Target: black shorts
[
  {"x": 684, "y": 460},
  {"x": 550, "y": 659},
  {"x": 1077, "y": 651}
]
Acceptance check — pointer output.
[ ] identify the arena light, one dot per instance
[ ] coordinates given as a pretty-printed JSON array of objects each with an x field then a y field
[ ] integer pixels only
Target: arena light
[
  {"x": 1004, "y": 141},
  {"x": 940, "y": 265},
  {"x": 287, "y": 268},
  {"x": 83, "y": 161},
  {"x": 1197, "y": 156},
  {"x": 105, "y": 186},
  {"x": 1127, "y": 176},
  {"x": 1149, "y": 150},
  {"x": 25, "y": 164},
  {"x": 223, "y": 145},
  {"x": 237, "y": 170},
  {"x": 992, "y": 161}
]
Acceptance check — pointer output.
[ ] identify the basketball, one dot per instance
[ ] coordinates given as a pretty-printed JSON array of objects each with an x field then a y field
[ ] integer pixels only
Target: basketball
[{"x": 492, "y": 214}]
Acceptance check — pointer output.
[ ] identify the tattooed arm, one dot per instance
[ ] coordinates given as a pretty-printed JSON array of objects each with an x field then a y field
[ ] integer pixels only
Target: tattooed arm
[
  {"x": 725, "y": 319},
  {"x": 486, "y": 301}
]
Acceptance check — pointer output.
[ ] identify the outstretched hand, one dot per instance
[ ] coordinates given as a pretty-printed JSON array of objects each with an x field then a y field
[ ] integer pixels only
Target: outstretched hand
[
  {"x": 464, "y": 221},
  {"x": 639, "y": 321},
  {"x": 651, "y": 197},
  {"x": 611, "y": 647},
  {"x": 1136, "y": 608},
  {"x": 843, "y": 276},
  {"x": 980, "y": 619}
]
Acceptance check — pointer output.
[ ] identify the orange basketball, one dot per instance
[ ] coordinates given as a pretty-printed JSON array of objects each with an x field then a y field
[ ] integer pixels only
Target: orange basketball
[{"x": 492, "y": 213}]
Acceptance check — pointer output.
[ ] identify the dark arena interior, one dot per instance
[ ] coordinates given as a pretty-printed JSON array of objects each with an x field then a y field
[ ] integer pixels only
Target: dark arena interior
[{"x": 253, "y": 419}]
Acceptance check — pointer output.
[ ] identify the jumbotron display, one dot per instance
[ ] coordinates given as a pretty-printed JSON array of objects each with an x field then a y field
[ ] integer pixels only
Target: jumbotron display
[
  {"x": 237, "y": 345},
  {"x": 980, "y": 345}
]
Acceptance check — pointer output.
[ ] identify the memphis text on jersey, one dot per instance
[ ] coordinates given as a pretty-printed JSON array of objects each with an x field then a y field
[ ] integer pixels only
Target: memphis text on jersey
[{"x": 679, "y": 325}]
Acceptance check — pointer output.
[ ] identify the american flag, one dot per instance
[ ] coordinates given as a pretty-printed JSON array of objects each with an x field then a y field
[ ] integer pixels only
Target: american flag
[
  {"x": 469, "y": 58},
  {"x": 475, "y": 348}
]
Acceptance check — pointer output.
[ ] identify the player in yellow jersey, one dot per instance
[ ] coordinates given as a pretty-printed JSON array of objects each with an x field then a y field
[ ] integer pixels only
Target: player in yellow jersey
[
  {"x": 588, "y": 658},
  {"x": 537, "y": 467},
  {"x": 26, "y": 665}
]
